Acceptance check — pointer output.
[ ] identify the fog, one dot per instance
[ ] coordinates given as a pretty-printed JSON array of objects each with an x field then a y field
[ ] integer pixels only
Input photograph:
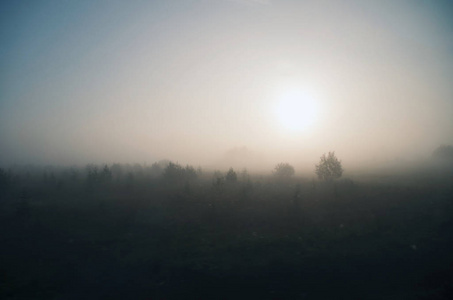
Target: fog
[
  {"x": 198, "y": 82},
  {"x": 205, "y": 149}
]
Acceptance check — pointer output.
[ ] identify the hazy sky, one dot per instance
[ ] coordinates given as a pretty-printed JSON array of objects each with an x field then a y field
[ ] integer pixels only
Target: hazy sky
[{"x": 137, "y": 81}]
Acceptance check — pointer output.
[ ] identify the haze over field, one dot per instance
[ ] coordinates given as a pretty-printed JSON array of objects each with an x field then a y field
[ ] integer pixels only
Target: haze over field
[{"x": 196, "y": 81}]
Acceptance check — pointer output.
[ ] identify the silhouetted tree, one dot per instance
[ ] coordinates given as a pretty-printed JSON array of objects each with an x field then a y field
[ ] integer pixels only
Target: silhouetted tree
[
  {"x": 174, "y": 172},
  {"x": 199, "y": 171},
  {"x": 106, "y": 175},
  {"x": 444, "y": 152},
  {"x": 155, "y": 170},
  {"x": 283, "y": 170},
  {"x": 5, "y": 179},
  {"x": 52, "y": 178},
  {"x": 130, "y": 181},
  {"x": 137, "y": 170},
  {"x": 231, "y": 176},
  {"x": 117, "y": 171},
  {"x": 190, "y": 173},
  {"x": 244, "y": 175},
  {"x": 329, "y": 167},
  {"x": 218, "y": 179},
  {"x": 92, "y": 178},
  {"x": 74, "y": 174}
]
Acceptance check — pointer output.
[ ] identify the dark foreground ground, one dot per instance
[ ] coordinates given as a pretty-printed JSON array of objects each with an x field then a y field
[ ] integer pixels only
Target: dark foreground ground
[{"x": 260, "y": 239}]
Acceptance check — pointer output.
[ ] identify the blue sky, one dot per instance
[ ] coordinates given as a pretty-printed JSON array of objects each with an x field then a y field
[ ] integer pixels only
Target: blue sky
[{"x": 134, "y": 81}]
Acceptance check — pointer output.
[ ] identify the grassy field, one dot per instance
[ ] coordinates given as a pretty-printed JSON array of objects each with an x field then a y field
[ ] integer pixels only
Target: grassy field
[{"x": 139, "y": 237}]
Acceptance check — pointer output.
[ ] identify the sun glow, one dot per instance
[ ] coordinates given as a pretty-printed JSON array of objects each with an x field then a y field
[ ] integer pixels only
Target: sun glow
[{"x": 296, "y": 110}]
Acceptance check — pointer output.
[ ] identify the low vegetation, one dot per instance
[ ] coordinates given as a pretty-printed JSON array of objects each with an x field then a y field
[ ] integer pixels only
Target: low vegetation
[{"x": 173, "y": 232}]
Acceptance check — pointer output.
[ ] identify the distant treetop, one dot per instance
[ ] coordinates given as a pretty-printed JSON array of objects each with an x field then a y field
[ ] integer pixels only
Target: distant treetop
[
  {"x": 444, "y": 152},
  {"x": 283, "y": 170}
]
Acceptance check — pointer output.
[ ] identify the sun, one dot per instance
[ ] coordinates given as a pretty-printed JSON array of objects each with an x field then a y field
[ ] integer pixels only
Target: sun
[{"x": 295, "y": 110}]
